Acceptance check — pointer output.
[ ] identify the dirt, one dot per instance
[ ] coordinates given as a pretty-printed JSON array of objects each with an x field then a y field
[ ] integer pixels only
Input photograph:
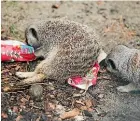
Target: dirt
[{"x": 115, "y": 22}]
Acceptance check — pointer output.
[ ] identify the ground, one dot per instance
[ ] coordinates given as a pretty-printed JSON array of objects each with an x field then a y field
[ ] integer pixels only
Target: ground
[{"x": 115, "y": 22}]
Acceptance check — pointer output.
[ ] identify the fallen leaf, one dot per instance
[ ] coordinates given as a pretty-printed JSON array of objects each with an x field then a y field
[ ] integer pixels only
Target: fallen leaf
[
  {"x": 4, "y": 115},
  {"x": 10, "y": 38},
  {"x": 99, "y": 2},
  {"x": 52, "y": 96},
  {"x": 83, "y": 108},
  {"x": 6, "y": 88},
  {"x": 70, "y": 114},
  {"x": 52, "y": 106},
  {"x": 5, "y": 71},
  {"x": 23, "y": 100},
  {"x": 19, "y": 117},
  {"x": 5, "y": 79},
  {"x": 17, "y": 67},
  {"x": 27, "y": 97},
  {"x": 90, "y": 109},
  {"x": 2, "y": 31},
  {"x": 56, "y": 6},
  {"x": 15, "y": 109},
  {"x": 88, "y": 103},
  {"x": 60, "y": 109},
  {"x": 38, "y": 119}
]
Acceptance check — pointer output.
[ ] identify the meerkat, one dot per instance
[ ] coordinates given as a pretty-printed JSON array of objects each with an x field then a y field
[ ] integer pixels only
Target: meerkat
[
  {"x": 68, "y": 48},
  {"x": 125, "y": 63}
]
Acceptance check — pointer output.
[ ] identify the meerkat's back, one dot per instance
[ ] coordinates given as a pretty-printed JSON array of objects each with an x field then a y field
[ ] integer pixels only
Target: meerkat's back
[{"x": 69, "y": 48}]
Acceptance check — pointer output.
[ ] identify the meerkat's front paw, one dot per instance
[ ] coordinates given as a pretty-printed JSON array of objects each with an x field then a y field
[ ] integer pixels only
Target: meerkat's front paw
[
  {"x": 24, "y": 74},
  {"x": 122, "y": 89},
  {"x": 34, "y": 79},
  {"x": 128, "y": 88}
]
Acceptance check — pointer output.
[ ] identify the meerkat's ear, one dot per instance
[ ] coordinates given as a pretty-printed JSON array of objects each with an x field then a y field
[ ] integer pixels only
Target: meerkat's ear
[
  {"x": 32, "y": 32},
  {"x": 111, "y": 64}
]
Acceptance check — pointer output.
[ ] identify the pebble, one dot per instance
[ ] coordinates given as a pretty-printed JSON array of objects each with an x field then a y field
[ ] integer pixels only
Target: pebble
[
  {"x": 36, "y": 92},
  {"x": 87, "y": 113},
  {"x": 101, "y": 96}
]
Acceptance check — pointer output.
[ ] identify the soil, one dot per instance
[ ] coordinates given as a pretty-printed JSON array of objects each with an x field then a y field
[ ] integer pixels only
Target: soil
[{"x": 115, "y": 22}]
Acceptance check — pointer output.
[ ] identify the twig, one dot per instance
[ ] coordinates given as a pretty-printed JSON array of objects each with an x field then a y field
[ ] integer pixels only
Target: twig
[
  {"x": 37, "y": 107},
  {"x": 104, "y": 77}
]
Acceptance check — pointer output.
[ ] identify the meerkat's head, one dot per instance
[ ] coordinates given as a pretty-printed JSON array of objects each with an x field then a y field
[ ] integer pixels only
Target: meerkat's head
[
  {"x": 40, "y": 35},
  {"x": 116, "y": 58},
  {"x": 43, "y": 34}
]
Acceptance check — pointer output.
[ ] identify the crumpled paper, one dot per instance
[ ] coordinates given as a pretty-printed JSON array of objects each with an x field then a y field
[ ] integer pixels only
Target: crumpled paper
[
  {"x": 88, "y": 80},
  {"x": 12, "y": 50}
]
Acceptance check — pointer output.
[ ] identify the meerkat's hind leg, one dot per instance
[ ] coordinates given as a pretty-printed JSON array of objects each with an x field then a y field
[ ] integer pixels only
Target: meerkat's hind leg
[
  {"x": 25, "y": 74},
  {"x": 34, "y": 79},
  {"x": 128, "y": 88}
]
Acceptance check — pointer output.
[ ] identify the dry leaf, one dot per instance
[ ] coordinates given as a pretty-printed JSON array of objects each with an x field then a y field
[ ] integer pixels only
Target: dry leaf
[
  {"x": 88, "y": 103},
  {"x": 56, "y": 6},
  {"x": 70, "y": 114},
  {"x": 17, "y": 67},
  {"x": 59, "y": 109},
  {"x": 83, "y": 108},
  {"x": 38, "y": 119},
  {"x": 90, "y": 109},
  {"x": 52, "y": 106},
  {"x": 99, "y": 2},
  {"x": 2, "y": 31},
  {"x": 27, "y": 97},
  {"x": 10, "y": 38},
  {"x": 15, "y": 109},
  {"x": 5, "y": 71},
  {"x": 23, "y": 100},
  {"x": 19, "y": 117},
  {"x": 5, "y": 79},
  {"x": 4, "y": 115},
  {"x": 6, "y": 88}
]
